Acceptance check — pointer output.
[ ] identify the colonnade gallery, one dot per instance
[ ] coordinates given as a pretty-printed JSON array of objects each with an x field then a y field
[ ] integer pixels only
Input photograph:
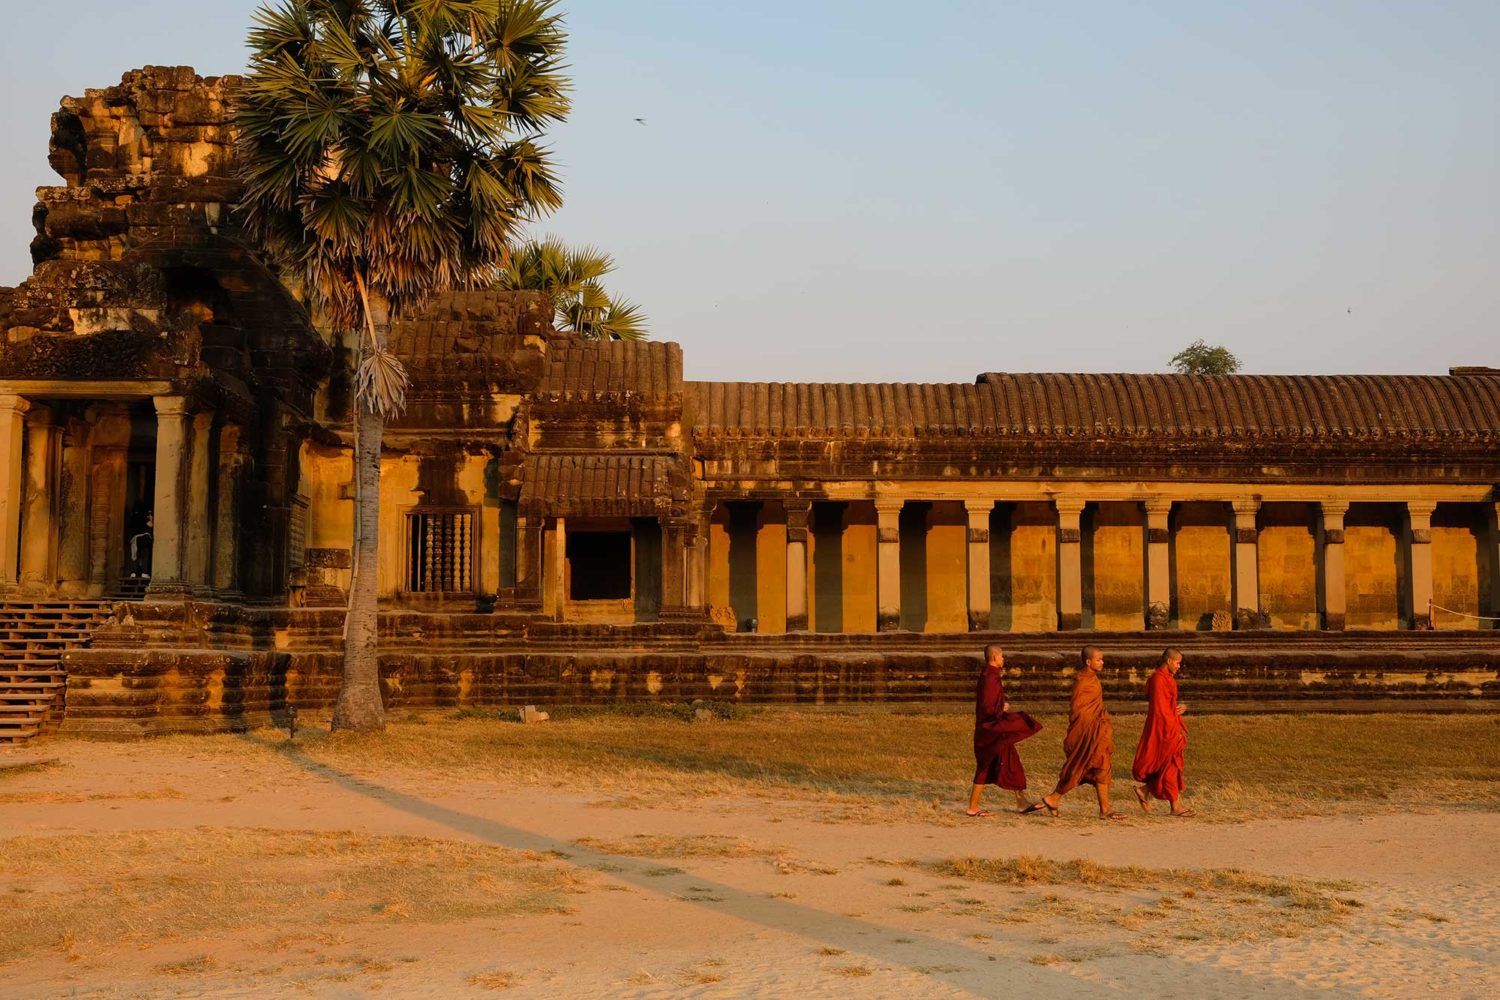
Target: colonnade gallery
[{"x": 175, "y": 440}]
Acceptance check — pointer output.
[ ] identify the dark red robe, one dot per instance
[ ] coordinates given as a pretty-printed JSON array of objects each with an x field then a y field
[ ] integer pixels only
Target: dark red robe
[
  {"x": 1158, "y": 757},
  {"x": 996, "y": 733}
]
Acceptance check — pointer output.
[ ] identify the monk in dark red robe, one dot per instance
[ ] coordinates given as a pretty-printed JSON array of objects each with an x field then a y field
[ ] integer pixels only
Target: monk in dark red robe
[
  {"x": 997, "y": 730},
  {"x": 1089, "y": 745},
  {"x": 1158, "y": 757}
]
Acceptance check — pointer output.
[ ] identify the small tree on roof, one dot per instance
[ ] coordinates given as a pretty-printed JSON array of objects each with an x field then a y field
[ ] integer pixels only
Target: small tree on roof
[{"x": 1199, "y": 359}]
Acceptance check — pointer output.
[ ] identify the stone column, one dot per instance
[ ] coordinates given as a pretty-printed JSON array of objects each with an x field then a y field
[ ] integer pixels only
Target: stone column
[
  {"x": 674, "y": 560},
  {"x": 555, "y": 577},
  {"x": 1419, "y": 538},
  {"x": 1494, "y": 557},
  {"x": 1069, "y": 562},
  {"x": 529, "y": 563},
  {"x": 697, "y": 566},
  {"x": 796, "y": 564},
  {"x": 198, "y": 551},
  {"x": 979, "y": 563},
  {"x": 1246, "y": 565},
  {"x": 12, "y": 429},
  {"x": 73, "y": 541},
  {"x": 1158, "y": 563},
  {"x": 1333, "y": 564},
  {"x": 226, "y": 545},
  {"x": 38, "y": 520},
  {"x": 888, "y": 564},
  {"x": 173, "y": 427}
]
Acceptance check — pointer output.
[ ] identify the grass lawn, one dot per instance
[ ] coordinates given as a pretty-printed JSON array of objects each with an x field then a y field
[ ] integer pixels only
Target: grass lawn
[{"x": 1237, "y": 766}]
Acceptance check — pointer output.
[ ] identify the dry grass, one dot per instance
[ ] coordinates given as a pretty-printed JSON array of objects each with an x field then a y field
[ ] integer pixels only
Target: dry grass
[
  {"x": 493, "y": 981},
  {"x": 910, "y": 764},
  {"x": 149, "y": 887},
  {"x": 68, "y": 798},
  {"x": 1029, "y": 869},
  {"x": 698, "y": 846},
  {"x": 1158, "y": 907}
]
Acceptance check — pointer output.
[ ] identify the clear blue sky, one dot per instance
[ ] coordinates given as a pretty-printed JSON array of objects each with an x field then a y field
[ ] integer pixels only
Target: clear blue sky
[{"x": 871, "y": 190}]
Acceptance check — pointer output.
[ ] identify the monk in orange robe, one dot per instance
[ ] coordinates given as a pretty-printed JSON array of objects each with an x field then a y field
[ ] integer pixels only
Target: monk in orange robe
[
  {"x": 1158, "y": 757},
  {"x": 1089, "y": 745},
  {"x": 997, "y": 730}
]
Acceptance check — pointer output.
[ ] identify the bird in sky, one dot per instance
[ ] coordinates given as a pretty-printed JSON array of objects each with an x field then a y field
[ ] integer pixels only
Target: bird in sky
[{"x": 640, "y": 121}]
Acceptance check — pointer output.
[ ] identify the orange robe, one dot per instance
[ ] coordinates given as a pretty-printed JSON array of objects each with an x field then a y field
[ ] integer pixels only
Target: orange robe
[
  {"x": 1158, "y": 758},
  {"x": 1089, "y": 745},
  {"x": 996, "y": 733}
]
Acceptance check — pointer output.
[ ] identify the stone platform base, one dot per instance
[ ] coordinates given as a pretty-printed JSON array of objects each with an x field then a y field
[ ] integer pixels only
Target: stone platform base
[{"x": 438, "y": 662}]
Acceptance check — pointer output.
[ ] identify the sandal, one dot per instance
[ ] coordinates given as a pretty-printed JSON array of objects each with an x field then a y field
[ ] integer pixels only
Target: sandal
[
  {"x": 1112, "y": 814},
  {"x": 1037, "y": 807},
  {"x": 1142, "y": 798},
  {"x": 1186, "y": 814},
  {"x": 978, "y": 813}
]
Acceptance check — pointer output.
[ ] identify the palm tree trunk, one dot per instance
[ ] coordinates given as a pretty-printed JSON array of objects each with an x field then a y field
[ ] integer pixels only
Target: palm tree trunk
[{"x": 359, "y": 705}]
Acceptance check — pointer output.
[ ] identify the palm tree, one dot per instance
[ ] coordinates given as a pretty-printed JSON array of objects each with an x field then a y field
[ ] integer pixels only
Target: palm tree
[
  {"x": 389, "y": 151},
  {"x": 572, "y": 277}
]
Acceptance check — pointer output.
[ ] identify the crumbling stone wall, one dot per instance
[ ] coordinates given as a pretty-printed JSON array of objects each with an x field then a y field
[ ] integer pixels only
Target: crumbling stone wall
[{"x": 147, "y": 160}]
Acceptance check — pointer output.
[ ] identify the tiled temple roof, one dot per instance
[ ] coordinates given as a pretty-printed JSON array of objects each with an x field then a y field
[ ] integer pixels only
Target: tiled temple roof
[
  {"x": 466, "y": 332},
  {"x": 582, "y": 485},
  {"x": 1360, "y": 407},
  {"x": 590, "y": 370}
]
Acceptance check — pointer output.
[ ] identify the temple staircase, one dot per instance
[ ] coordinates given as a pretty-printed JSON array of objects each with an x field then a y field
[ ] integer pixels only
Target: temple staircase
[{"x": 33, "y": 637}]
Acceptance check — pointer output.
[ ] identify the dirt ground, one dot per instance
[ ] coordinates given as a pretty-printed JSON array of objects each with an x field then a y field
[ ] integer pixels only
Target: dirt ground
[{"x": 249, "y": 866}]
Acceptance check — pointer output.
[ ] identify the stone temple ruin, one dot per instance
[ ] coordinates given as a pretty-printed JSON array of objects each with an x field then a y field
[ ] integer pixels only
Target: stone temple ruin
[{"x": 569, "y": 522}]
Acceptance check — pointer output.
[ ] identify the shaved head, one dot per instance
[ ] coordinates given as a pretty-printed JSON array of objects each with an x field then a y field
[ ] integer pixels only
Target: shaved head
[{"x": 993, "y": 652}]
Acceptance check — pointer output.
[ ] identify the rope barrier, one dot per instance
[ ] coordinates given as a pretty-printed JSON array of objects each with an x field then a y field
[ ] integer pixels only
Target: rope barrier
[{"x": 1462, "y": 614}]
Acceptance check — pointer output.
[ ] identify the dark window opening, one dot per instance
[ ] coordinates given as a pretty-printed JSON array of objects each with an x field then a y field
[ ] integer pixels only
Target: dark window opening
[{"x": 598, "y": 565}]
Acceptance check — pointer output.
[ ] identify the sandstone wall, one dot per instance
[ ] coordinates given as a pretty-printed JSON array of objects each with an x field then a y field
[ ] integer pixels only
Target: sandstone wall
[
  {"x": 1288, "y": 560},
  {"x": 1114, "y": 583}
]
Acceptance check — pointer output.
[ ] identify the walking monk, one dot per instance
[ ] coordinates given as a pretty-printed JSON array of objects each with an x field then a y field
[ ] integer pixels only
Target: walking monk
[
  {"x": 1089, "y": 745},
  {"x": 1158, "y": 758},
  {"x": 997, "y": 730}
]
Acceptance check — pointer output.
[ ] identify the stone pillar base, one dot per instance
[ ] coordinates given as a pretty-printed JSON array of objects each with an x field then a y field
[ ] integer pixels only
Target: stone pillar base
[
  {"x": 796, "y": 623},
  {"x": 979, "y": 621},
  {"x": 888, "y": 623},
  {"x": 1070, "y": 622},
  {"x": 1158, "y": 617},
  {"x": 1333, "y": 621}
]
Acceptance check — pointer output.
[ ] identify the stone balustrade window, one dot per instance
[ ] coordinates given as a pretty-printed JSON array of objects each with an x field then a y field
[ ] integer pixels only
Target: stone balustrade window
[{"x": 440, "y": 547}]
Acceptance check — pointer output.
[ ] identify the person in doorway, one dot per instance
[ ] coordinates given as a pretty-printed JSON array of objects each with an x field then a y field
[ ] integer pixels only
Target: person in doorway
[
  {"x": 1159, "y": 755},
  {"x": 997, "y": 730},
  {"x": 140, "y": 543},
  {"x": 1089, "y": 744}
]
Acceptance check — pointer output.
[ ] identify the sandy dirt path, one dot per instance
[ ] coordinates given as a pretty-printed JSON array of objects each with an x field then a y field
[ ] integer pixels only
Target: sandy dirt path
[{"x": 814, "y": 908}]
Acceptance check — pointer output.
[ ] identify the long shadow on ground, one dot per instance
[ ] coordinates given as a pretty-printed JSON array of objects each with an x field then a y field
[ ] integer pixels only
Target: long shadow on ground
[{"x": 850, "y": 934}]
